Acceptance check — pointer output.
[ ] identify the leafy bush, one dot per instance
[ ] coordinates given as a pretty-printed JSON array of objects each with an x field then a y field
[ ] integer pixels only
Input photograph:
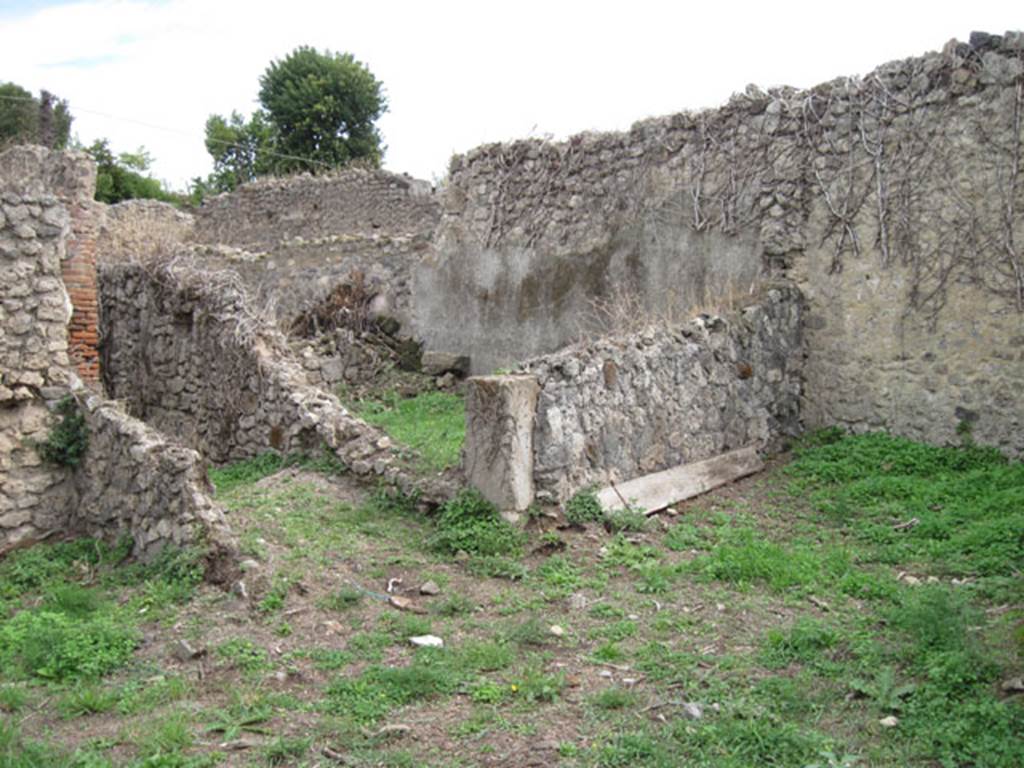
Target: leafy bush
[
  {"x": 469, "y": 523},
  {"x": 69, "y": 437},
  {"x": 583, "y": 507}
]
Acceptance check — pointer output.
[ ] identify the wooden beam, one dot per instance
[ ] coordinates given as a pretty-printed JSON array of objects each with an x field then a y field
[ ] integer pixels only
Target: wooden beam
[{"x": 656, "y": 491}]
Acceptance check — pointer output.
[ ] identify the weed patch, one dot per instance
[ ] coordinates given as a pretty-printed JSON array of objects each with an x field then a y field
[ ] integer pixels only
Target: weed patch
[
  {"x": 56, "y": 646},
  {"x": 469, "y": 523},
  {"x": 583, "y": 507},
  {"x": 244, "y": 655},
  {"x": 802, "y": 642},
  {"x": 960, "y": 509},
  {"x": 372, "y": 695}
]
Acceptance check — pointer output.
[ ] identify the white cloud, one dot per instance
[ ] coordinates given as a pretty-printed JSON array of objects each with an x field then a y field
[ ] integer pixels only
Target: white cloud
[{"x": 457, "y": 74}]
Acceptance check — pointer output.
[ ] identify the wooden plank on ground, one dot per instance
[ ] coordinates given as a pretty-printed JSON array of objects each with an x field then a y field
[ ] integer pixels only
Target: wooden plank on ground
[{"x": 656, "y": 491}]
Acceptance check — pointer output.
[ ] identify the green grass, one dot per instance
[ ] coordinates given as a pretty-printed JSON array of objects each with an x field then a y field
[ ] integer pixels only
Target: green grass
[
  {"x": 57, "y": 646},
  {"x": 787, "y": 616},
  {"x": 378, "y": 690},
  {"x": 432, "y": 423},
  {"x": 242, "y": 473},
  {"x": 964, "y": 506},
  {"x": 243, "y": 654}
]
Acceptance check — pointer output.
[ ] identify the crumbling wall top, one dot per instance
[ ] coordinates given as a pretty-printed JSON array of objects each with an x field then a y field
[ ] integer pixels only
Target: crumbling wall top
[{"x": 34, "y": 171}]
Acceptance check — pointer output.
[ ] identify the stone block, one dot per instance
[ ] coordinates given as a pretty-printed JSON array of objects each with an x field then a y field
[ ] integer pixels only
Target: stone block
[
  {"x": 499, "y": 438},
  {"x": 437, "y": 363}
]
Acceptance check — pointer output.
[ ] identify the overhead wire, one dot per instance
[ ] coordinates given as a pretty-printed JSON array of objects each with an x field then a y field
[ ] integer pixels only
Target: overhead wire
[{"x": 179, "y": 132}]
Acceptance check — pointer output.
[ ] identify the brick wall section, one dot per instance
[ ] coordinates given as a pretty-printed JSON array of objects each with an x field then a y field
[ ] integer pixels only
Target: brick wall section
[{"x": 79, "y": 273}]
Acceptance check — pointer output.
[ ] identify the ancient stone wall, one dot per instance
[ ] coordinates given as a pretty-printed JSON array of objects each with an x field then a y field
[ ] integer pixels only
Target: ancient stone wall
[
  {"x": 260, "y": 215},
  {"x": 894, "y": 200},
  {"x": 298, "y": 273},
  {"x": 69, "y": 179},
  {"x": 133, "y": 482},
  {"x": 136, "y": 229},
  {"x": 626, "y": 406},
  {"x": 184, "y": 349},
  {"x": 35, "y": 369},
  {"x": 293, "y": 240},
  {"x": 130, "y": 480}
]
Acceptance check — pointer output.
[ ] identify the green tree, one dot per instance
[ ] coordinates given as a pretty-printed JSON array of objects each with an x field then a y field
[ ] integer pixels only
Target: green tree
[
  {"x": 241, "y": 150},
  {"x": 25, "y": 119},
  {"x": 323, "y": 108},
  {"x": 122, "y": 177}
]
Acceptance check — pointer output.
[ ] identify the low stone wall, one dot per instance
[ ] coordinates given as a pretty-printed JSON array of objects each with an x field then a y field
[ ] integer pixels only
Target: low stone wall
[
  {"x": 623, "y": 407},
  {"x": 136, "y": 229},
  {"x": 259, "y": 215},
  {"x": 135, "y": 482},
  {"x": 184, "y": 350}
]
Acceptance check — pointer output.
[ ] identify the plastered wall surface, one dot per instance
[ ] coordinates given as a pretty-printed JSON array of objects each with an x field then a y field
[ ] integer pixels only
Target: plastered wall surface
[{"x": 894, "y": 200}]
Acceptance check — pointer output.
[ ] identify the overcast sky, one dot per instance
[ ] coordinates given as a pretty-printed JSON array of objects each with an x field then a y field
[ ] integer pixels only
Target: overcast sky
[{"x": 456, "y": 74}]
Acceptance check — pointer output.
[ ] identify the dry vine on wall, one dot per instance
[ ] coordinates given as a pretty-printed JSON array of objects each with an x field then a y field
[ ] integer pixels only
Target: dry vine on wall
[{"x": 942, "y": 184}]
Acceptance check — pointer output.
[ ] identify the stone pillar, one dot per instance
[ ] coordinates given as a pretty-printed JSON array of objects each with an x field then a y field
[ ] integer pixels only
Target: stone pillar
[{"x": 499, "y": 438}]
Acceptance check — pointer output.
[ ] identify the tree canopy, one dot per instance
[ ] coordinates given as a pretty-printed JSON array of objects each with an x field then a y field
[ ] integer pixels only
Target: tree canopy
[
  {"x": 239, "y": 149},
  {"x": 317, "y": 111},
  {"x": 324, "y": 107},
  {"x": 26, "y": 119},
  {"x": 122, "y": 177}
]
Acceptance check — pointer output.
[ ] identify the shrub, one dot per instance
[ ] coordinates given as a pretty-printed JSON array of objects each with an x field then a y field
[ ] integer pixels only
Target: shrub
[
  {"x": 68, "y": 438},
  {"x": 469, "y": 523},
  {"x": 583, "y": 507}
]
